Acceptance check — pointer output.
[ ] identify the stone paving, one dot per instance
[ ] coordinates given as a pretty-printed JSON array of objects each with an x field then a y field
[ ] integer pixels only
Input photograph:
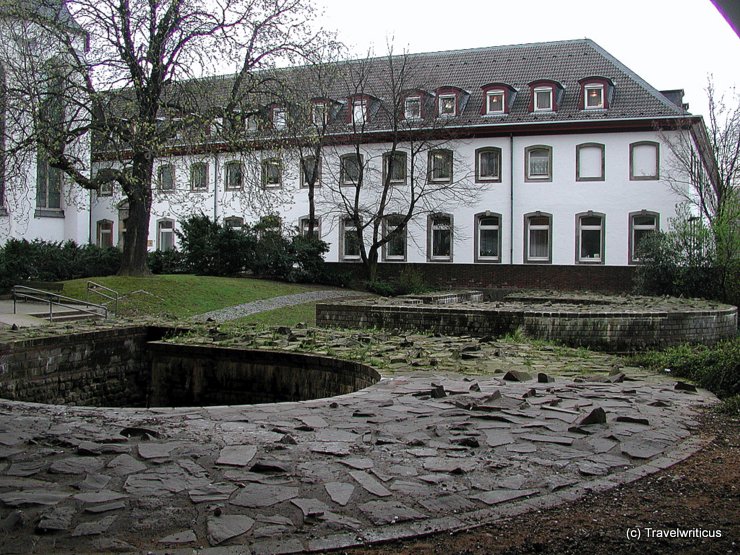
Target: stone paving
[{"x": 420, "y": 452}]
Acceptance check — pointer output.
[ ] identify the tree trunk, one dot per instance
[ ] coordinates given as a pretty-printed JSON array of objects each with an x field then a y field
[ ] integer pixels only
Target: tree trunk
[
  {"x": 139, "y": 195},
  {"x": 371, "y": 265}
]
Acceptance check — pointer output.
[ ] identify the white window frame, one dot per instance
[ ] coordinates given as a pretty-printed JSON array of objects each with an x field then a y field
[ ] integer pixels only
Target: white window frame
[
  {"x": 479, "y": 229},
  {"x": 536, "y": 92},
  {"x": 343, "y": 168},
  {"x": 637, "y": 145},
  {"x": 388, "y": 226},
  {"x": 491, "y": 94},
  {"x": 234, "y": 222},
  {"x": 319, "y": 114},
  {"x": 594, "y": 87},
  {"x": 479, "y": 165},
  {"x": 193, "y": 166},
  {"x": 302, "y": 174},
  {"x": 434, "y": 225},
  {"x": 585, "y": 147},
  {"x": 440, "y": 103},
  {"x": 406, "y": 112},
  {"x": 348, "y": 226},
  {"x": 433, "y": 154},
  {"x": 528, "y": 175},
  {"x": 655, "y": 226},
  {"x": 227, "y": 175},
  {"x": 580, "y": 228},
  {"x": 386, "y": 167},
  {"x": 528, "y": 229},
  {"x": 266, "y": 164},
  {"x": 303, "y": 226},
  {"x": 279, "y": 120},
  {"x": 100, "y": 231},
  {"x": 165, "y": 225},
  {"x": 359, "y": 111},
  {"x": 160, "y": 178},
  {"x": 106, "y": 189}
]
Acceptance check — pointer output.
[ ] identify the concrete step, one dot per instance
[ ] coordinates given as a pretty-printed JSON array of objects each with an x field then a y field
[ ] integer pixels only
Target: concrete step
[{"x": 68, "y": 316}]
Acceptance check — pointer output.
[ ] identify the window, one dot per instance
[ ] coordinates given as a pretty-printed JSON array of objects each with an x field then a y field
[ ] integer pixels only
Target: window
[
  {"x": 538, "y": 240},
  {"x": 350, "y": 169},
  {"x": 234, "y": 222},
  {"x": 166, "y": 178},
  {"x": 590, "y": 238},
  {"x": 412, "y": 107},
  {"x": 488, "y": 237},
  {"x": 350, "y": 249},
  {"x": 166, "y": 235},
  {"x": 271, "y": 173},
  {"x": 495, "y": 102},
  {"x": 488, "y": 164},
  {"x": 106, "y": 189},
  {"x": 644, "y": 161},
  {"x": 394, "y": 168},
  {"x": 440, "y": 237},
  {"x": 642, "y": 224},
  {"x": 105, "y": 233},
  {"x": 310, "y": 171},
  {"x": 593, "y": 98},
  {"x": 447, "y": 105},
  {"x": 440, "y": 166},
  {"x": 48, "y": 184},
  {"x": 543, "y": 99},
  {"x": 359, "y": 112},
  {"x": 319, "y": 114},
  {"x": 278, "y": 118},
  {"x": 199, "y": 177},
  {"x": 395, "y": 249},
  {"x": 303, "y": 227},
  {"x": 590, "y": 162},
  {"x": 234, "y": 176},
  {"x": 538, "y": 163}
]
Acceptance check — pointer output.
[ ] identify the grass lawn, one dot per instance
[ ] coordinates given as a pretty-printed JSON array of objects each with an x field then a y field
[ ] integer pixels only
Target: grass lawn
[
  {"x": 181, "y": 296},
  {"x": 286, "y": 316}
]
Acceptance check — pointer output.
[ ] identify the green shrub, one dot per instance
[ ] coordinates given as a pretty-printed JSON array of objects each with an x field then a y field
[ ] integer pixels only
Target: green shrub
[
  {"x": 167, "y": 262},
  {"x": 309, "y": 263},
  {"x": 382, "y": 288},
  {"x": 411, "y": 282},
  {"x": 716, "y": 368}
]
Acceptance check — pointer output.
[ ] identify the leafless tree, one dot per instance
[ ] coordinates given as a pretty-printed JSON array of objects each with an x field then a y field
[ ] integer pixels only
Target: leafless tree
[{"x": 132, "y": 90}]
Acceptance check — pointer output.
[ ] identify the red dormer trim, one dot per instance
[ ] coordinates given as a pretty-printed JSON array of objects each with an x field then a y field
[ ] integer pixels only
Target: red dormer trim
[
  {"x": 423, "y": 96},
  {"x": 508, "y": 91},
  {"x": 556, "y": 87},
  {"x": 605, "y": 82},
  {"x": 449, "y": 91}
]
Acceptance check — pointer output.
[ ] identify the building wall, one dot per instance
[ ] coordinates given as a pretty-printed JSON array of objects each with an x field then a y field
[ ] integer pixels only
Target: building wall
[{"x": 563, "y": 197}]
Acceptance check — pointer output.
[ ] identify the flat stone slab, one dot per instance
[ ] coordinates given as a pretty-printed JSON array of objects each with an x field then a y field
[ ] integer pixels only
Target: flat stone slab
[
  {"x": 261, "y": 495},
  {"x": 237, "y": 455},
  {"x": 225, "y": 527},
  {"x": 389, "y": 512}
]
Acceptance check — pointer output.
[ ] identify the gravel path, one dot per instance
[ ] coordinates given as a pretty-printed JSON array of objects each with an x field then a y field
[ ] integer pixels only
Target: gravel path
[{"x": 239, "y": 311}]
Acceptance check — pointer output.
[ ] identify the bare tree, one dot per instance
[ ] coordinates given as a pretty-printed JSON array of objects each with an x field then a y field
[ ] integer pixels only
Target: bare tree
[
  {"x": 706, "y": 174},
  {"x": 132, "y": 90},
  {"x": 395, "y": 162}
]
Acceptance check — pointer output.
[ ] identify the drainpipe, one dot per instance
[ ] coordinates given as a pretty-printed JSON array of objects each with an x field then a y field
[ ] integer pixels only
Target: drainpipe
[
  {"x": 90, "y": 222},
  {"x": 215, "y": 186},
  {"x": 511, "y": 198}
]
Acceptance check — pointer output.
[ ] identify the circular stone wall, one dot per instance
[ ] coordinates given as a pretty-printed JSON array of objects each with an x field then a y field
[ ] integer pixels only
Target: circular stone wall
[{"x": 128, "y": 366}]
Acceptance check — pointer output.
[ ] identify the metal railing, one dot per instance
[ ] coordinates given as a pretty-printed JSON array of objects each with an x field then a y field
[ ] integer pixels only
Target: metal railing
[
  {"x": 106, "y": 292},
  {"x": 21, "y": 292}
]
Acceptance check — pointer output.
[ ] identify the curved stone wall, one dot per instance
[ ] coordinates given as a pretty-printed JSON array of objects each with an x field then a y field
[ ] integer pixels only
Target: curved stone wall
[
  {"x": 599, "y": 325},
  {"x": 129, "y": 367}
]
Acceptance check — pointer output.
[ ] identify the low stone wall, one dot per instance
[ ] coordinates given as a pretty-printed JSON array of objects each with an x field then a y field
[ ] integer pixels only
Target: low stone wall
[
  {"x": 187, "y": 375},
  {"x": 615, "y": 331},
  {"x": 95, "y": 368}
]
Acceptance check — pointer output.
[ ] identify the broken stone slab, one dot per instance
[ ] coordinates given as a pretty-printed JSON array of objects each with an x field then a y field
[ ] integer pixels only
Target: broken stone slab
[
  {"x": 517, "y": 376},
  {"x": 544, "y": 378},
  {"x": 93, "y": 482},
  {"x": 389, "y": 512},
  {"x": 125, "y": 464},
  {"x": 444, "y": 504},
  {"x": 544, "y": 438},
  {"x": 640, "y": 449},
  {"x": 683, "y": 386},
  {"x": 12, "y": 521},
  {"x": 596, "y": 416},
  {"x": 236, "y": 455},
  {"x": 87, "y": 448},
  {"x": 358, "y": 463},
  {"x": 448, "y": 465},
  {"x": 261, "y": 495},
  {"x": 330, "y": 448},
  {"x": 589, "y": 468},
  {"x": 496, "y": 437},
  {"x": 112, "y": 545},
  {"x": 148, "y": 450},
  {"x": 186, "y": 536},
  {"x": 29, "y": 497},
  {"x": 225, "y": 527},
  {"x": 56, "y": 519},
  {"x": 502, "y": 495},
  {"x": 339, "y": 492},
  {"x": 633, "y": 420},
  {"x": 105, "y": 507},
  {"x": 311, "y": 508},
  {"x": 76, "y": 465},
  {"x": 102, "y": 496},
  {"x": 369, "y": 483},
  {"x": 212, "y": 493},
  {"x": 26, "y": 468},
  {"x": 94, "y": 528}
]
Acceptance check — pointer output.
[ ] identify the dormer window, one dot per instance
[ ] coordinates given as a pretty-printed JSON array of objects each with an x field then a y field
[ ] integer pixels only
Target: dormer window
[
  {"x": 495, "y": 102},
  {"x": 448, "y": 105},
  {"x": 593, "y": 97},
  {"x": 278, "y": 118},
  {"x": 543, "y": 99},
  {"x": 412, "y": 107},
  {"x": 596, "y": 93},
  {"x": 359, "y": 111},
  {"x": 319, "y": 114}
]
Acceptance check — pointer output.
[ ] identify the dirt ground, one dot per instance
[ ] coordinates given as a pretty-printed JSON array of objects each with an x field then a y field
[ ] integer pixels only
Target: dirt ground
[{"x": 701, "y": 493}]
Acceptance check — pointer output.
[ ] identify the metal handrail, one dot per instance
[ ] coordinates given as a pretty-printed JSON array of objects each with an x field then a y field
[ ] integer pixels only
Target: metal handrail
[
  {"x": 111, "y": 295},
  {"x": 54, "y": 299}
]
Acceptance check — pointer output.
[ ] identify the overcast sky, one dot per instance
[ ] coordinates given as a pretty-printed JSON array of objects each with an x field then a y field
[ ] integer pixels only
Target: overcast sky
[{"x": 672, "y": 44}]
